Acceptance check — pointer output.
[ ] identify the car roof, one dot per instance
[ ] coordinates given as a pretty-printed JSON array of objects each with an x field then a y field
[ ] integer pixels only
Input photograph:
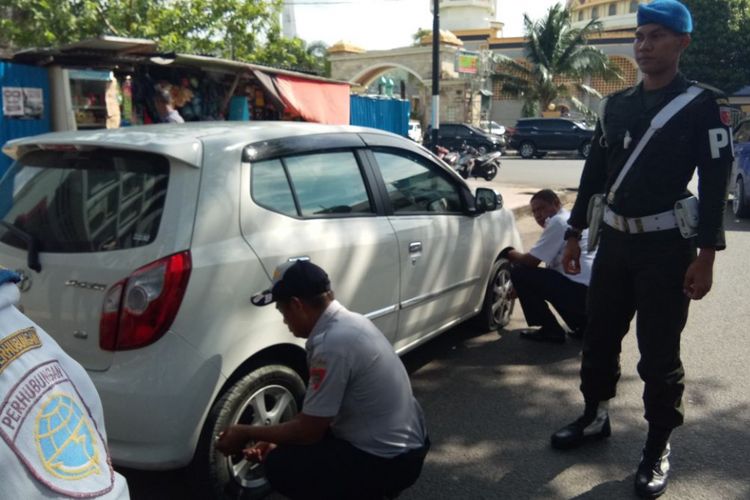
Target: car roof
[{"x": 183, "y": 141}]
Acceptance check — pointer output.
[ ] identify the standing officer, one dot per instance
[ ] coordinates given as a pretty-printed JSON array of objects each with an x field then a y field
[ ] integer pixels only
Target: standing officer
[
  {"x": 361, "y": 433},
  {"x": 644, "y": 264}
]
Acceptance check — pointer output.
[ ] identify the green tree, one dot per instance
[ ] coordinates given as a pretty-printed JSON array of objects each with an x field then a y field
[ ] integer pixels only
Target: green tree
[
  {"x": 720, "y": 48},
  {"x": 559, "y": 60},
  {"x": 247, "y": 30},
  {"x": 417, "y": 37}
]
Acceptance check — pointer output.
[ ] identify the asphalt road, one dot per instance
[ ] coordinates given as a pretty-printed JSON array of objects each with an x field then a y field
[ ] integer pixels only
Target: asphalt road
[
  {"x": 492, "y": 400},
  {"x": 555, "y": 172}
]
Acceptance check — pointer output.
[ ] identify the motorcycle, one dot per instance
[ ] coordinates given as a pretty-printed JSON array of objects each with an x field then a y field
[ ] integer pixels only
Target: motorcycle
[
  {"x": 449, "y": 157},
  {"x": 473, "y": 164}
]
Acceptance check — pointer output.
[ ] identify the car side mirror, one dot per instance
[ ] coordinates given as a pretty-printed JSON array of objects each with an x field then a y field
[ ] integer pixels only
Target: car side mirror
[{"x": 487, "y": 200}]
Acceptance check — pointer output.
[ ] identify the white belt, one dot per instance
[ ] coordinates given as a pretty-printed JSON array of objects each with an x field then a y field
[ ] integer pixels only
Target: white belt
[{"x": 646, "y": 224}]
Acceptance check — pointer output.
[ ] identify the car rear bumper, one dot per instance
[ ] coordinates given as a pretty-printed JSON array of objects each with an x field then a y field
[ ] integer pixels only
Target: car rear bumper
[{"x": 155, "y": 400}]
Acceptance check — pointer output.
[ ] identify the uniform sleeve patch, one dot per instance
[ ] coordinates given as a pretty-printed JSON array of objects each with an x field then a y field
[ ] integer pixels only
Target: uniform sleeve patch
[
  {"x": 45, "y": 421},
  {"x": 725, "y": 113},
  {"x": 17, "y": 343},
  {"x": 318, "y": 372}
]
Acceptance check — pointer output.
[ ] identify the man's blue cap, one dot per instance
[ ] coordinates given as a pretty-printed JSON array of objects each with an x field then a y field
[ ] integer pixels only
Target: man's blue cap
[{"x": 669, "y": 13}]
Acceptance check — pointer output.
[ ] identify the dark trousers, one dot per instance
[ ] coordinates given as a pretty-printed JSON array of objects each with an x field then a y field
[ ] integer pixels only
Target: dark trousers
[
  {"x": 333, "y": 469},
  {"x": 536, "y": 287},
  {"x": 642, "y": 273}
]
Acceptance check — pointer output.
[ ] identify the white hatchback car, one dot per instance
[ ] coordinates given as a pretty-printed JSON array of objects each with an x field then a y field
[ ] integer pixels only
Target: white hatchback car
[{"x": 141, "y": 247}]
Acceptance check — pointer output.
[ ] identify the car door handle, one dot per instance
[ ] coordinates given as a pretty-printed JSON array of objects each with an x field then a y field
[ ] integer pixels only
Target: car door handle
[{"x": 415, "y": 247}]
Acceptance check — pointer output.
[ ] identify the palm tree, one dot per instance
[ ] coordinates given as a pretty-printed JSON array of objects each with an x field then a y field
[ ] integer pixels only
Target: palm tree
[{"x": 559, "y": 60}]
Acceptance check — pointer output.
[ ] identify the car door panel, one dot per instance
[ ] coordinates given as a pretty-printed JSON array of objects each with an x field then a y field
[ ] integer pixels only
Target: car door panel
[
  {"x": 440, "y": 248},
  {"x": 353, "y": 248}
]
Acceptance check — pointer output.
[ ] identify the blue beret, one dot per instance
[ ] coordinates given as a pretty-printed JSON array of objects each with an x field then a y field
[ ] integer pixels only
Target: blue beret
[{"x": 669, "y": 13}]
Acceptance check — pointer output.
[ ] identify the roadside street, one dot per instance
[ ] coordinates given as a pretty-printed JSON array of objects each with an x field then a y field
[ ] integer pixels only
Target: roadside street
[{"x": 492, "y": 400}]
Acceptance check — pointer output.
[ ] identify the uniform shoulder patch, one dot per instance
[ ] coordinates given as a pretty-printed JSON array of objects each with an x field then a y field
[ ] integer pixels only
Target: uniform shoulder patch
[{"x": 17, "y": 343}]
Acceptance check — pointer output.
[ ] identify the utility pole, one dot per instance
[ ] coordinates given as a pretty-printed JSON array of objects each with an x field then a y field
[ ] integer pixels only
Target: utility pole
[{"x": 435, "y": 72}]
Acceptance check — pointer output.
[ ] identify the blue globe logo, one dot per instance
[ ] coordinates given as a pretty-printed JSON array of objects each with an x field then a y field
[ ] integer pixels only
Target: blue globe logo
[{"x": 65, "y": 439}]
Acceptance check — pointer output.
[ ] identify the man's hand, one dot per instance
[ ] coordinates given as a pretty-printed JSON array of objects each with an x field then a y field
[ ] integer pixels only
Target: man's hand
[
  {"x": 258, "y": 452},
  {"x": 571, "y": 257},
  {"x": 232, "y": 441},
  {"x": 700, "y": 274}
]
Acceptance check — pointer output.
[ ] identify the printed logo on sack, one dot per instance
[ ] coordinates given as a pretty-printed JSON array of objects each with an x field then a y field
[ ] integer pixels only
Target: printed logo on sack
[{"x": 45, "y": 422}]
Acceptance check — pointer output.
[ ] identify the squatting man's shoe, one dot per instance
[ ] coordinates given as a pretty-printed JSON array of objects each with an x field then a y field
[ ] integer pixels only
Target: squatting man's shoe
[
  {"x": 544, "y": 335},
  {"x": 652, "y": 474},
  {"x": 593, "y": 425}
]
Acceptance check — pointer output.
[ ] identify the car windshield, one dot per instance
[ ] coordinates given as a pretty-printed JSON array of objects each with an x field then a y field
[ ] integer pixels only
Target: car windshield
[{"x": 84, "y": 201}]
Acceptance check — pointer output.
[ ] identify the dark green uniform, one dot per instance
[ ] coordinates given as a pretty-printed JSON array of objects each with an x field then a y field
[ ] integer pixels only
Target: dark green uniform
[{"x": 645, "y": 272}]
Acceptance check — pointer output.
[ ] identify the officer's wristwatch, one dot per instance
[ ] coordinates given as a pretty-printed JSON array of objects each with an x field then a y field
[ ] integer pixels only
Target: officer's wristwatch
[{"x": 572, "y": 232}]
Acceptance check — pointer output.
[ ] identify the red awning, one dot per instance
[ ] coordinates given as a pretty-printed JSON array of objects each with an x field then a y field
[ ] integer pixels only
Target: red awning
[{"x": 315, "y": 101}]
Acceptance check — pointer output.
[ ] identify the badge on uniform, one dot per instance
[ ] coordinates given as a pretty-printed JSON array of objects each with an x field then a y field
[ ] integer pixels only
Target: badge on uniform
[
  {"x": 317, "y": 373},
  {"x": 46, "y": 423},
  {"x": 725, "y": 113}
]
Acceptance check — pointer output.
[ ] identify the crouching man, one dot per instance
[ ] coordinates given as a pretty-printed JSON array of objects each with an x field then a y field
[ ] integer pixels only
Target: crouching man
[
  {"x": 537, "y": 286},
  {"x": 361, "y": 433}
]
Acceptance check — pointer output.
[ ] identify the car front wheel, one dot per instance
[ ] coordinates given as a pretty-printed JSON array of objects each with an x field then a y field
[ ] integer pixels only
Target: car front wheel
[
  {"x": 585, "y": 149},
  {"x": 266, "y": 396},
  {"x": 527, "y": 150},
  {"x": 498, "y": 300},
  {"x": 740, "y": 203}
]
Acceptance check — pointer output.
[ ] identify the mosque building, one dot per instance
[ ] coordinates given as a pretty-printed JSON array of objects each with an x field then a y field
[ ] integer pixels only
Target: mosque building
[{"x": 475, "y": 26}]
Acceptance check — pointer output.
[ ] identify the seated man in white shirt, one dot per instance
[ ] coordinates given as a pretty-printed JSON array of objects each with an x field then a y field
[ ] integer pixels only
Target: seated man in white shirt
[{"x": 537, "y": 286}]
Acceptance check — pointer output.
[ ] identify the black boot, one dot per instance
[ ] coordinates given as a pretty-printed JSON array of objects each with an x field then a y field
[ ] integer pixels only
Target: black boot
[
  {"x": 653, "y": 473},
  {"x": 593, "y": 425}
]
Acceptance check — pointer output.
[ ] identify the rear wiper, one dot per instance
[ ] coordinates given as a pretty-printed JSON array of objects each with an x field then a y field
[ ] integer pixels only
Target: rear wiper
[{"x": 31, "y": 244}]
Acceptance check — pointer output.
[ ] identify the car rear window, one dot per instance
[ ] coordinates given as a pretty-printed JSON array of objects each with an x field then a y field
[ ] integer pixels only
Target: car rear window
[{"x": 84, "y": 201}]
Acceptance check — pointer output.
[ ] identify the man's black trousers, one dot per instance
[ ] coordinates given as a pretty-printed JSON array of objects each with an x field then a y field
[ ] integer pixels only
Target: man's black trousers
[
  {"x": 643, "y": 273},
  {"x": 536, "y": 286},
  {"x": 333, "y": 469}
]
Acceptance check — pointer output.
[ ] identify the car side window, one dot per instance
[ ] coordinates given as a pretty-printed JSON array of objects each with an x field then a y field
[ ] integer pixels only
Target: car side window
[
  {"x": 321, "y": 184},
  {"x": 415, "y": 187},
  {"x": 270, "y": 187}
]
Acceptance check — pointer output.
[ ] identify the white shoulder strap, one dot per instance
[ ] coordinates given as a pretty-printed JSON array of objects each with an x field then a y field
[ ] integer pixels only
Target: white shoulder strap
[{"x": 661, "y": 119}]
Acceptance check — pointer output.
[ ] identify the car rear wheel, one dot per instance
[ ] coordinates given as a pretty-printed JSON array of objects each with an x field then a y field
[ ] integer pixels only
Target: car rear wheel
[
  {"x": 585, "y": 149},
  {"x": 498, "y": 302},
  {"x": 482, "y": 150},
  {"x": 266, "y": 396},
  {"x": 527, "y": 150},
  {"x": 740, "y": 203}
]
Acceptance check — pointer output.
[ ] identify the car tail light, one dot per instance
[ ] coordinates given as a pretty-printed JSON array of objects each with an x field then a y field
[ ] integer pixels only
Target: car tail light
[
  {"x": 138, "y": 310},
  {"x": 510, "y": 130}
]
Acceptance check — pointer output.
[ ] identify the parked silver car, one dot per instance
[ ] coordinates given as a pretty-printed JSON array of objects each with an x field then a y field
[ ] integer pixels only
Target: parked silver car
[{"x": 141, "y": 248}]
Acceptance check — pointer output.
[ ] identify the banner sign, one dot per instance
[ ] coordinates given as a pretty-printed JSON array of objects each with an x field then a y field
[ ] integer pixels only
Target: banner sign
[
  {"x": 23, "y": 102},
  {"x": 467, "y": 62}
]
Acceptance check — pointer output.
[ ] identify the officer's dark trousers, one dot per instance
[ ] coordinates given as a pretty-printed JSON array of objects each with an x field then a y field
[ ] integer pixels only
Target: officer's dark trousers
[
  {"x": 333, "y": 469},
  {"x": 642, "y": 273},
  {"x": 538, "y": 286}
]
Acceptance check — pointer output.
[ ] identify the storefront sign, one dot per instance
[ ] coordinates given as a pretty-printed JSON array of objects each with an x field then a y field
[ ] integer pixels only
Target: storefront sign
[{"x": 23, "y": 102}]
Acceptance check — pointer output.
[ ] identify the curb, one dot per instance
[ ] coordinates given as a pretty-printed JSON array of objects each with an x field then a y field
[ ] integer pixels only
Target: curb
[{"x": 567, "y": 195}]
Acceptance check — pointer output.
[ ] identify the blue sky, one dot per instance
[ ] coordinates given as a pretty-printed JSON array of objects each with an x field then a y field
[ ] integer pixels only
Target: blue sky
[{"x": 386, "y": 24}]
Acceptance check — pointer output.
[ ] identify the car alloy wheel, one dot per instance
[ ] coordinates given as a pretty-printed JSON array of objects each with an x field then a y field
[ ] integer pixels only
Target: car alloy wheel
[
  {"x": 498, "y": 301},
  {"x": 527, "y": 150},
  {"x": 585, "y": 150},
  {"x": 268, "y": 395}
]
